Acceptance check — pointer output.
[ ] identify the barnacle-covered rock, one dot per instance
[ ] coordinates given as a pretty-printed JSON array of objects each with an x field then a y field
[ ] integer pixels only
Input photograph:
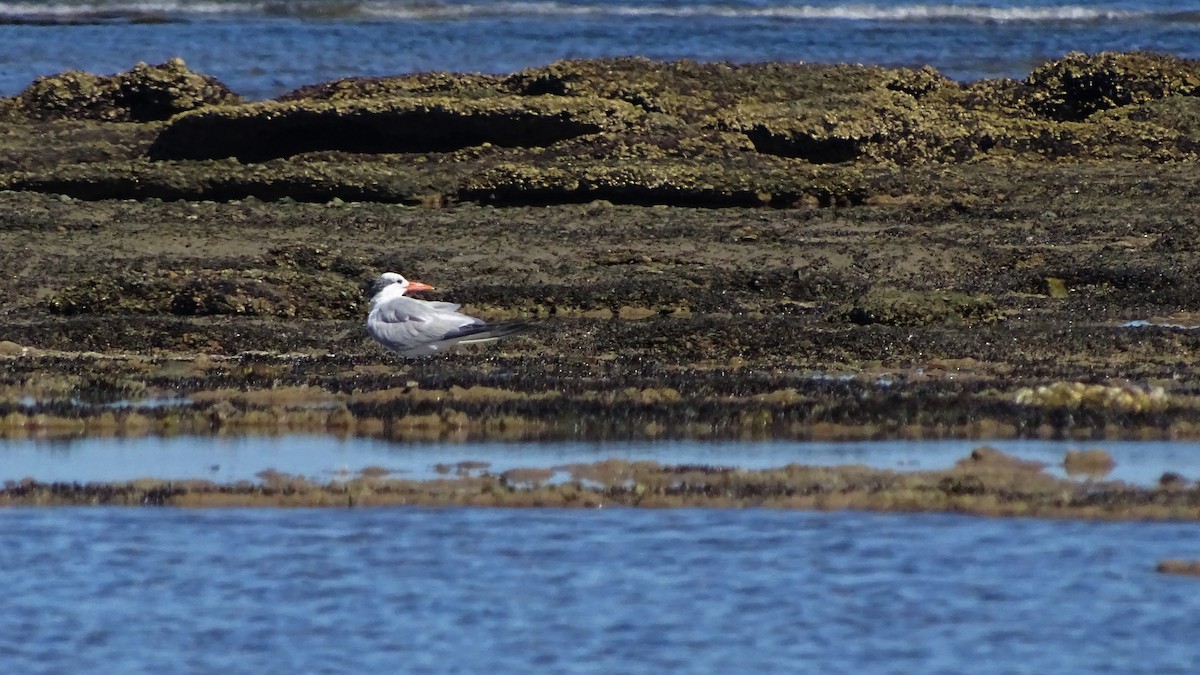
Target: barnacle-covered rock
[
  {"x": 896, "y": 307},
  {"x": 1077, "y": 85},
  {"x": 285, "y": 286},
  {"x": 273, "y": 129},
  {"x": 1100, "y": 397},
  {"x": 142, "y": 94}
]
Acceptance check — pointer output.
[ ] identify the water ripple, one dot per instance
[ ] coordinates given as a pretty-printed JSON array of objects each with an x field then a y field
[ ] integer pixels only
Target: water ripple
[{"x": 701, "y": 590}]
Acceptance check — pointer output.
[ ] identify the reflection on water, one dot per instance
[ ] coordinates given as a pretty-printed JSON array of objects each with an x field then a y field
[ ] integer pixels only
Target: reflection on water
[{"x": 323, "y": 458}]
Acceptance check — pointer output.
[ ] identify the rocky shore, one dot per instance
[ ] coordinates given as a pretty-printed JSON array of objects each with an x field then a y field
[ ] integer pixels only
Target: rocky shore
[
  {"x": 985, "y": 483},
  {"x": 705, "y": 250}
]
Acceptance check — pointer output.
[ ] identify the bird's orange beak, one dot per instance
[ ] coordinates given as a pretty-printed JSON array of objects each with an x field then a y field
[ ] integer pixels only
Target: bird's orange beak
[{"x": 418, "y": 286}]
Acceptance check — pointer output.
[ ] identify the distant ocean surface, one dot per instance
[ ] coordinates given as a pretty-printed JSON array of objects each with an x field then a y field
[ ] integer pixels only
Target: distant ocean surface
[{"x": 262, "y": 49}]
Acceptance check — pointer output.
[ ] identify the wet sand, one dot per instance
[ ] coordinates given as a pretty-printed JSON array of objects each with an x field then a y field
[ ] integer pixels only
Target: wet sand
[{"x": 704, "y": 251}]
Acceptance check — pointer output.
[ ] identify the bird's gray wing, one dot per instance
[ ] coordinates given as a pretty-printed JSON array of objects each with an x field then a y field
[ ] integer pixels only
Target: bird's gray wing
[{"x": 405, "y": 324}]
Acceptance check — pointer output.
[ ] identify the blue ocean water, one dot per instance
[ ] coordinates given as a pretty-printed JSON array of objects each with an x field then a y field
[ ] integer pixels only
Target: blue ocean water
[
  {"x": 467, "y": 590},
  {"x": 265, "y": 48}
]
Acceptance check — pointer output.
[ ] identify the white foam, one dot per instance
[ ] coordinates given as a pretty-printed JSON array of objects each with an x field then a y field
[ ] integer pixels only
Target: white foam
[
  {"x": 781, "y": 11},
  {"x": 417, "y": 10},
  {"x": 67, "y": 10}
]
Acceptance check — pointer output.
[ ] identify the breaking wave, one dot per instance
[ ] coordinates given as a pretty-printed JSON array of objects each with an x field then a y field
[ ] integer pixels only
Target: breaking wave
[{"x": 446, "y": 10}]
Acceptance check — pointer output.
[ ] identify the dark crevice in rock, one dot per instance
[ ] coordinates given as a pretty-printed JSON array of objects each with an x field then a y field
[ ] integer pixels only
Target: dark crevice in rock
[
  {"x": 647, "y": 196},
  {"x": 131, "y": 188},
  {"x": 268, "y": 192},
  {"x": 264, "y": 137},
  {"x": 805, "y": 146}
]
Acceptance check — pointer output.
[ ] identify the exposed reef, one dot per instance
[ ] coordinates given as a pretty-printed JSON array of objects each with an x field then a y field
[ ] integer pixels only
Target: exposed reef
[
  {"x": 706, "y": 250},
  {"x": 262, "y": 131},
  {"x": 624, "y": 130},
  {"x": 988, "y": 483},
  {"x": 142, "y": 94}
]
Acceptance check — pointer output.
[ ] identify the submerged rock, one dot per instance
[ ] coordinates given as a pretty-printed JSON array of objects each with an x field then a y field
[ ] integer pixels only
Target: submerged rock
[
  {"x": 1094, "y": 463},
  {"x": 987, "y": 457},
  {"x": 1184, "y": 567}
]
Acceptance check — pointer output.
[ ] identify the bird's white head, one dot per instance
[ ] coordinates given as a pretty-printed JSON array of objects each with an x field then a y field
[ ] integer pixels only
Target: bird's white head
[{"x": 390, "y": 285}]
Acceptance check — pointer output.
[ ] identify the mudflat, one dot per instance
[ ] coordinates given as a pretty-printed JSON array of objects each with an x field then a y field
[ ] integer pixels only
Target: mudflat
[{"x": 704, "y": 250}]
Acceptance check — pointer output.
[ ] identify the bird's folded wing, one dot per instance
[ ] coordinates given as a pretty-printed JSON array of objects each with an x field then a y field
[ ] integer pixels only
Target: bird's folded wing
[
  {"x": 486, "y": 332},
  {"x": 404, "y": 323}
]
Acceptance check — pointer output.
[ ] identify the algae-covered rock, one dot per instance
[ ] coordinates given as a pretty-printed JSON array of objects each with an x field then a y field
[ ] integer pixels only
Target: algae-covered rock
[
  {"x": 1077, "y": 85},
  {"x": 1169, "y": 127},
  {"x": 127, "y": 292},
  {"x": 284, "y": 286},
  {"x": 142, "y": 94},
  {"x": 1103, "y": 397},
  {"x": 881, "y": 123},
  {"x": 736, "y": 182},
  {"x": 918, "y": 82},
  {"x": 462, "y": 85},
  {"x": 896, "y": 307},
  {"x": 1178, "y": 113},
  {"x": 628, "y": 130},
  {"x": 311, "y": 181},
  {"x": 202, "y": 296},
  {"x": 273, "y": 129},
  {"x": 699, "y": 92}
]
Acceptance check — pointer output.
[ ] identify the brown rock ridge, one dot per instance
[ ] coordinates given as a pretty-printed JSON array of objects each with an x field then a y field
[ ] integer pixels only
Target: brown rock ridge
[{"x": 625, "y": 130}]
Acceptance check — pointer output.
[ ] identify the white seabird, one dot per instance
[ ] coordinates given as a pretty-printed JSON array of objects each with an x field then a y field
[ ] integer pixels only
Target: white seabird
[{"x": 414, "y": 327}]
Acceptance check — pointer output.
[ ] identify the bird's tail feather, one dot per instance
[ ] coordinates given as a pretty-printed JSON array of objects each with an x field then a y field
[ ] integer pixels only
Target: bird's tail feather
[{"x": 488, "y": 333}]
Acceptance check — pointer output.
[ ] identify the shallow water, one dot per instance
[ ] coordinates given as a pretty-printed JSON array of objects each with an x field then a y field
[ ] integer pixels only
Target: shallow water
[
  {"x": 228, "y": 459},
  {"x": 265, "y": 49},
  {"x": 467, "y": 590}
]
